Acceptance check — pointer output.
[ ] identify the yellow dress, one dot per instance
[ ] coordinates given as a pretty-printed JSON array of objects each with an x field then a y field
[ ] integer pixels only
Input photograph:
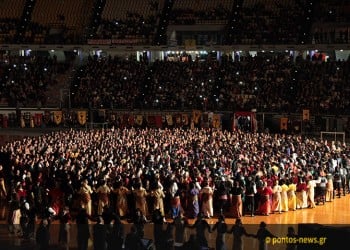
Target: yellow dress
[
  {"x": 284, "y": 198},
  {"x": 292, "y": 198}
]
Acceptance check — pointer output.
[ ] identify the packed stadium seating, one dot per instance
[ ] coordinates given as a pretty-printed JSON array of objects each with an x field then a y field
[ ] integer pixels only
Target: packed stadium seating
[
  {"x": 211, "y": 84},
  {"x": 267, "y": 83}
]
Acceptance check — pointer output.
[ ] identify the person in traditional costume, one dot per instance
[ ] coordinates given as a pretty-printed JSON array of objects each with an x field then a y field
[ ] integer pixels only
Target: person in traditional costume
[
  {"x": 193, "y": 203},
  {"x": 206, "y": 195},
  {"x": 284, "y": 196},
  {"x": 237, "y": 192},
  {"x": 121, "y": 204},
  {"x": 292, "y": 198},
  {"x": 140, "y": 195},
  {"x": 276, "y": 198},
  {"x": 103, "y": 192},
  {"x": 301, "y": 194},
  {"x": 158, "y": 195},
  {"x": 85, "y": 197},
  {"x": 264, "y": 207}
]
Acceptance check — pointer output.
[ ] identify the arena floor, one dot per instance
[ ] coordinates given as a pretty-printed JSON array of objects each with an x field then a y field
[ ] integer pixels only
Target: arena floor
[{"x": 335, "y": 213}]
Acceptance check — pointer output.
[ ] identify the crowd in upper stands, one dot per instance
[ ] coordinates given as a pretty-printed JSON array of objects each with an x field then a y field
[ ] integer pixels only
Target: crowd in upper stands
[
  {"x": 264, "y": 82},
  {"x": 25, "y": 79}
]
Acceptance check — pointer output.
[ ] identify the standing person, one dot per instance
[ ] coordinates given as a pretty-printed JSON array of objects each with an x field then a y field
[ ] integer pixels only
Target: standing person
[
  {"x": 158, "y": 195},
  {"x": 223, "y": 196},
  {"x": 238, "y": 231},
  {"x": 292, "y": 199},
  {"x": 15, "y": 218},
  {"x": 311, "y": 184},
  {"x": 139, "y": 221},
  {"x": 176, "y": 208},
  {"x": 180, "y": 224},
  {"x": 284, "y": 196},
  {"x": 99, "y": 234},
  {"x": 301, "y": 193},
  {"x": 85, "y": 196},
  {"x": 337, "y": 183},
  {"x": 158, "y": 233},
  {"x": 115, "y": 237},
  {"x": 64, "y": 228},
  {"x": 206, "y": 195},
  {"x": 83, "y": 231},
  {"x": 201, "y": 225},
  {"x": 133, "y": 240},
  {"x": 192, "y": 204},
  {"x": 121, "y": 199},
  {"x": 237, "y": 204},
  {"x": 3, "y": 192},
  {"x": 262, "y": 234},
  {"x": 276, "y": 198},
  {"x": 140, "y": 195},
  {"x": 250, "y": 196},
  {"x": 43, "y": 235},
  {"x": 264, "y": 207},
  {"x": 221, "y": 228},
  {"x": 103, "y": 192},
  {"x": 329, "y": 187},
  {"x": 343, "y": 174},
  {"x": 322, "y": 187}
]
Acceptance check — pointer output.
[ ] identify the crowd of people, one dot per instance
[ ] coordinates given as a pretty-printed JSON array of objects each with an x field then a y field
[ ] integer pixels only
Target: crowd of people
[
  {"x": 139, "y": 175},
  {"x": 24, "y": 80},
  {"x": 267, "y": 82}
]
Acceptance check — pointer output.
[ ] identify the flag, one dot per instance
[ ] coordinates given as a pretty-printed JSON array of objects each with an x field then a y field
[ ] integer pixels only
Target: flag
[
  {"x": 216, "y": 121},
  {"x": 283, "y": 123},
  {"x": 82, "y": 116},
  {"x": 196, "y": 115},
  {"x": 57, "y": 117},
  {"x": 306, "y": 115},
  {"x": 169, "y": 120},
  {"x": 139, "y": 120}
]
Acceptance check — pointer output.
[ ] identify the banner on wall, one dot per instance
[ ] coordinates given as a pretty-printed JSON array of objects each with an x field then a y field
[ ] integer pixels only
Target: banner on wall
[
  {"x": 38, "y": 118},
  {"x": 306, "y": 115},
  {"x": 216, "y": 120},
  {"x": 169, "y": 120},
  {"x": 196, "y": 115},
  {"x": 185, "y": 120},
  {"x": 178, "y": 119},
  {"x": 23, "y": 123},
  {"x": 57, "y": 117},
  {"x": 47, "y": 117},
  {"x": 151, "y": 120},
  {"x": 158, "y": 121},
  {"x": 82, "y": 117},
  {"x": 284, "y": 123},
  {"x": 139, "y": 120},
  {"x": 131, "y": 120}
]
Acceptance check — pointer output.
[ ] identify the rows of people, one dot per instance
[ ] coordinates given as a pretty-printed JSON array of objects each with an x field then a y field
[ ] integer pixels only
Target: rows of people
[
  {"x": 24, "y": 80},
  {"x": 178, "y": 172},
  {"x": 265, "y": 82}
]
